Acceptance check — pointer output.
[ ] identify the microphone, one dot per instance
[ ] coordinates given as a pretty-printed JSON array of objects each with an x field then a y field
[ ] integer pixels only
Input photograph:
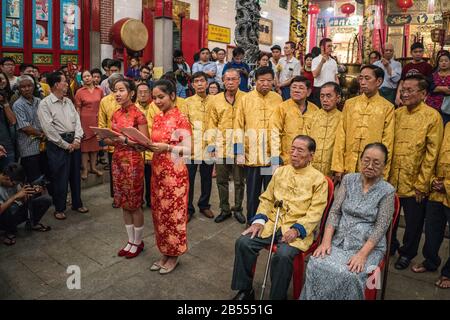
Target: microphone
[{"x": 278, "y": 204}]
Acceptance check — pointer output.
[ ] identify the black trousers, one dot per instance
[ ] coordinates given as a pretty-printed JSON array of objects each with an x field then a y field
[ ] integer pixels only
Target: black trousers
[
  {"x": 148, "y": 179},
  {"x": 64, "y": 167},
  {"x": 437, "y": 217},
  {"x": 414, "y": 220},
  {"x": 246, "y": 253},
  {"x": 32, "y": 166},
  {"x": 206, "y": 171},
  {"x": 17, "y": 214},
  {"x": 257, "y": 181},
  {"x": 111, "y": 189}
]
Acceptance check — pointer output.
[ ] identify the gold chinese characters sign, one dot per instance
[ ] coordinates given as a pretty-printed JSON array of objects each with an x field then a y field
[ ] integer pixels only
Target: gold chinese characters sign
[{"x": 219, "y": 34}]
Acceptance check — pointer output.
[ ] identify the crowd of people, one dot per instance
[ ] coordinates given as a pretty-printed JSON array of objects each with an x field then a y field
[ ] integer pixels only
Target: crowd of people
[{"x": 278, "y": 131}]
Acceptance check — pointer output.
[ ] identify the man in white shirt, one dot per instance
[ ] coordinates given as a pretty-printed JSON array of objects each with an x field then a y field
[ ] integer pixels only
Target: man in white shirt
[
  {"x": 274, "y": 60},
  {"x": 62, "y": 127},
  {"x": 220, "y": 64},
  {"x": 290, "y": 67},
  {"x": 392, "y": 73},
  {"x": 324, "y": 69}
]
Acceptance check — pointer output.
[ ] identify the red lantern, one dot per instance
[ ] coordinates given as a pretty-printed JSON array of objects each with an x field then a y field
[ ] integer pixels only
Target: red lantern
[
  {"x": 347, "y": 8},
  {"x": 405, "y": 4},
  {"x": 313, "y": 9}
]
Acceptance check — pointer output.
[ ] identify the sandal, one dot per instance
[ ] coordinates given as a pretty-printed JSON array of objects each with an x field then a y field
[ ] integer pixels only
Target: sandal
[
  {"x": 402, "y": 263},
  {"x": 60, "y": 216},
  {"x": 81, "y": 210},
  {"x": 41, "y": 228},
  {"x": 96, "y": 172},
  {"x": 419, "y": 268},
  {"x": 443, "y": 283},
  {"x": 10, "y": 240}
]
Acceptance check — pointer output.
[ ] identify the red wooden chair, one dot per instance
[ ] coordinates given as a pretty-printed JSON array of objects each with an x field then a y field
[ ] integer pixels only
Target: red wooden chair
[
  {"x": 371, "y": 293},
  {"x": 299, "y": 261}
]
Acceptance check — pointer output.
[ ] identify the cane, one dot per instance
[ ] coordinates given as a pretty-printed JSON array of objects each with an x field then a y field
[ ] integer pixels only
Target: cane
[{"x": 278, "y": 205}]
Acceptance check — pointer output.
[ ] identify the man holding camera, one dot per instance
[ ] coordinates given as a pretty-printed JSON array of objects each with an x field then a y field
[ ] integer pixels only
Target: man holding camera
[
  {"x": 61, "y": 124},
  {"x": 20, "y": 203}
]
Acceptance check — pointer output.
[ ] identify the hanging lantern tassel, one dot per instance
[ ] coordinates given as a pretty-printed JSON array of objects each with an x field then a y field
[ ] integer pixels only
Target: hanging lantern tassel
[
  {"x": 347, "y": 9},
  {"x": 430, "y": 8},
  {"x": 405, "y": 4}
]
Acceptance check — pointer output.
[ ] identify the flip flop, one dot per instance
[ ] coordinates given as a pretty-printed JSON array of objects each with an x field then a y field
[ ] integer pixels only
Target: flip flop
[
  {"x": 440, "y": 281},
  {"x": 60, "y": 216},
  {"x": 9, "y": 240},
  {"x": 81, "y": 210},
  {"x": 41, "y": 228},
  {"x": 419, "y": 268}
]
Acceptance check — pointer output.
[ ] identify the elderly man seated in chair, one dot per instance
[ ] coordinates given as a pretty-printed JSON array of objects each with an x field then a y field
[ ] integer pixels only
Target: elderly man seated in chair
[{"x": 303, "y": 191}]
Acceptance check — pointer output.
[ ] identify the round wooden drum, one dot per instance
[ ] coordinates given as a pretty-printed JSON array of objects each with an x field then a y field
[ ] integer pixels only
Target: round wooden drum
[{"x": 129, "y": 33}]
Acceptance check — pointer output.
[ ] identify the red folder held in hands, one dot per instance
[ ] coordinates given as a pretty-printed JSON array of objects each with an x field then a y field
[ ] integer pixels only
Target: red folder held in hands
[
  {"x": 104, "y": 133},
  {"x": 137, "y": 136}
]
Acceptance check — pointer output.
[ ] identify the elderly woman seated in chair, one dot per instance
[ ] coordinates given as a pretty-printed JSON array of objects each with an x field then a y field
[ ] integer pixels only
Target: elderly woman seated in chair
[{"x": 354, "y": 242}]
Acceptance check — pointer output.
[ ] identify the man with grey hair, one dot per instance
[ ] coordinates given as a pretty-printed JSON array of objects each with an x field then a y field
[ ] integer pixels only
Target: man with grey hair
[
  {"x": 30, "y": 133},
  {"x": 109, "y": 105},
  {"x": 392, "y": 73}
]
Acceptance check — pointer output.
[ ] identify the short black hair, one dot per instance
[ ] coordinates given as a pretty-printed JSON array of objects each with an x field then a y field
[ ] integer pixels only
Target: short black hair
[
  {"x": 378, "y": 72},
  {"x": 177, "y": 53},
  {"x": 15, "y": 172},
  {"x": 221, "y": 50},
  {"x": 199, "y": 74},
  {"x": 24, "y": 66},
  {"x": 324, "y": 41},
  {"x": 114, "y": 63},
  {"x": 143, "y": 84},
  {"x": 311, "y": 142},
  {"x": 215, "y": 83},
  {"x": 204, "y": 49},
  {"x": 417, "y": 45},
  {"x": 422, "y": 81},
  {"x": 336, "y": 88},
  {"x": 54, "y": 78},
  {"x": 165, "y": 86},
  {"x": 309, "y": 55},
  {"x": 291, "y": 43},
  {"x": 96, "y": 70},
  {"x": 263, "y": 54},
  {"x": 6, "y": 59},
  {"x": 130, "y": 85},
  {"x": 262, "y": 71},
  {"x": 377, "y": 53},
  {"x": 238, "y": 51},
  {"x": 105, "y": 63},
  {"x": 302, "y": 79},
  {"x": 379, "y": 146},
  {"x": 145, "y": 67}
]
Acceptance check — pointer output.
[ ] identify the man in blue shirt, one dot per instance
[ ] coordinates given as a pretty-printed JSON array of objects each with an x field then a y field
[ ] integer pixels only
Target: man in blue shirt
[
  {"x": 239, "y": 64},
  {"x": 205, "y": 65}
]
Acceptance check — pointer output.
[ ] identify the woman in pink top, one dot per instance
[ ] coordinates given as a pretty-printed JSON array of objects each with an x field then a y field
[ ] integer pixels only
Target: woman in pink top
[{"x": 87, "y": 101}]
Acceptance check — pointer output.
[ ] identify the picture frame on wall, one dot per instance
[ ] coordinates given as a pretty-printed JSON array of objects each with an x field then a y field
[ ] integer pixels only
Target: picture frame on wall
[
  {"x": 265, "y": 31},
  {"x": 42, "y": 24},
  {"x": 12, "y": 23},
  {"x": 70, "y": 16}
]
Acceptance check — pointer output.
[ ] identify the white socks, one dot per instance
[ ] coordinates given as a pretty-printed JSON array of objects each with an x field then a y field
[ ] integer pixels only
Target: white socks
[
  {"x": 130, "y": 232},
  {"x": 138, "y": 235}
]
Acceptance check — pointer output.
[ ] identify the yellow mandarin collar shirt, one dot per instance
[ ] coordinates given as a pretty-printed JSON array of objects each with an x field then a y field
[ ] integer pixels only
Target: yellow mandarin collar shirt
[
  {"x": 252, "y": 126},
  {"x": 220, "y": 125},
  {"x": 418, "y": 137},
  {"x": 108, "y": 105},
  {"x": 304, "y": 193},
  {"x": 323, "y": 130},
  {"x": 364, "y": 120},
  {"x": 443, "y": 170},
  {"x": 149, "y": 110},
  {"x": 286, "y": 123},
  {"x": 196, "y": 110}
]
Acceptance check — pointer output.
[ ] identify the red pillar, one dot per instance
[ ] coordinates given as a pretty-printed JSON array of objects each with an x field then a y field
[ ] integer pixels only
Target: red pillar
[
  {"x": 203, "y": 17},
  {"x": 147, "y": 19},
  {"x": 86, "y": 24}
]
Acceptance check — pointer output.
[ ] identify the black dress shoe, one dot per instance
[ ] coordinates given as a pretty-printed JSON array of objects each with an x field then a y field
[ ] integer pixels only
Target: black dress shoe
[
  {"x": 245, "y": 295},
  {"x": 222, "y": 217},
  {"x": 239, "y": 217},
  {"x": 402, "y": 263}
]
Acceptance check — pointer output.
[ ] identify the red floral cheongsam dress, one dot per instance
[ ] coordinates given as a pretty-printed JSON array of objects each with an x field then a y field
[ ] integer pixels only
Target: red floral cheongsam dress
[
  {"x": 127, "y": 162},
  {"x": 170, "y": 183}
]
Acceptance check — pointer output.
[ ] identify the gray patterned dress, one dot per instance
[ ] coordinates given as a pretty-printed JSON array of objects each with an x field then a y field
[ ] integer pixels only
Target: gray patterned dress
[{"x": 356, "y": 217}]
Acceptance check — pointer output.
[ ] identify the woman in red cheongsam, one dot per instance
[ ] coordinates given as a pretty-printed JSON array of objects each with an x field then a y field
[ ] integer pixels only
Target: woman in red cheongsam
[
  {"x": 128, "y": 167},
  {"x": 171, "y": 144}
]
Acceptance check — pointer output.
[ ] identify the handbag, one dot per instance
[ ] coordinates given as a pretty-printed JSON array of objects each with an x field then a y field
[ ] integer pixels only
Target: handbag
[{"x": 445, "y": 107}]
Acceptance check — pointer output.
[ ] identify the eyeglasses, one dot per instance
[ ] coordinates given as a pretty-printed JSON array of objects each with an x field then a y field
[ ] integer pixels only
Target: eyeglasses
[
  {"x": 409, "y": 91},
  {"x": 367, "y": 162},
  {"x": 9, "y": 65},
  {"x": 231, "y": 79}
]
